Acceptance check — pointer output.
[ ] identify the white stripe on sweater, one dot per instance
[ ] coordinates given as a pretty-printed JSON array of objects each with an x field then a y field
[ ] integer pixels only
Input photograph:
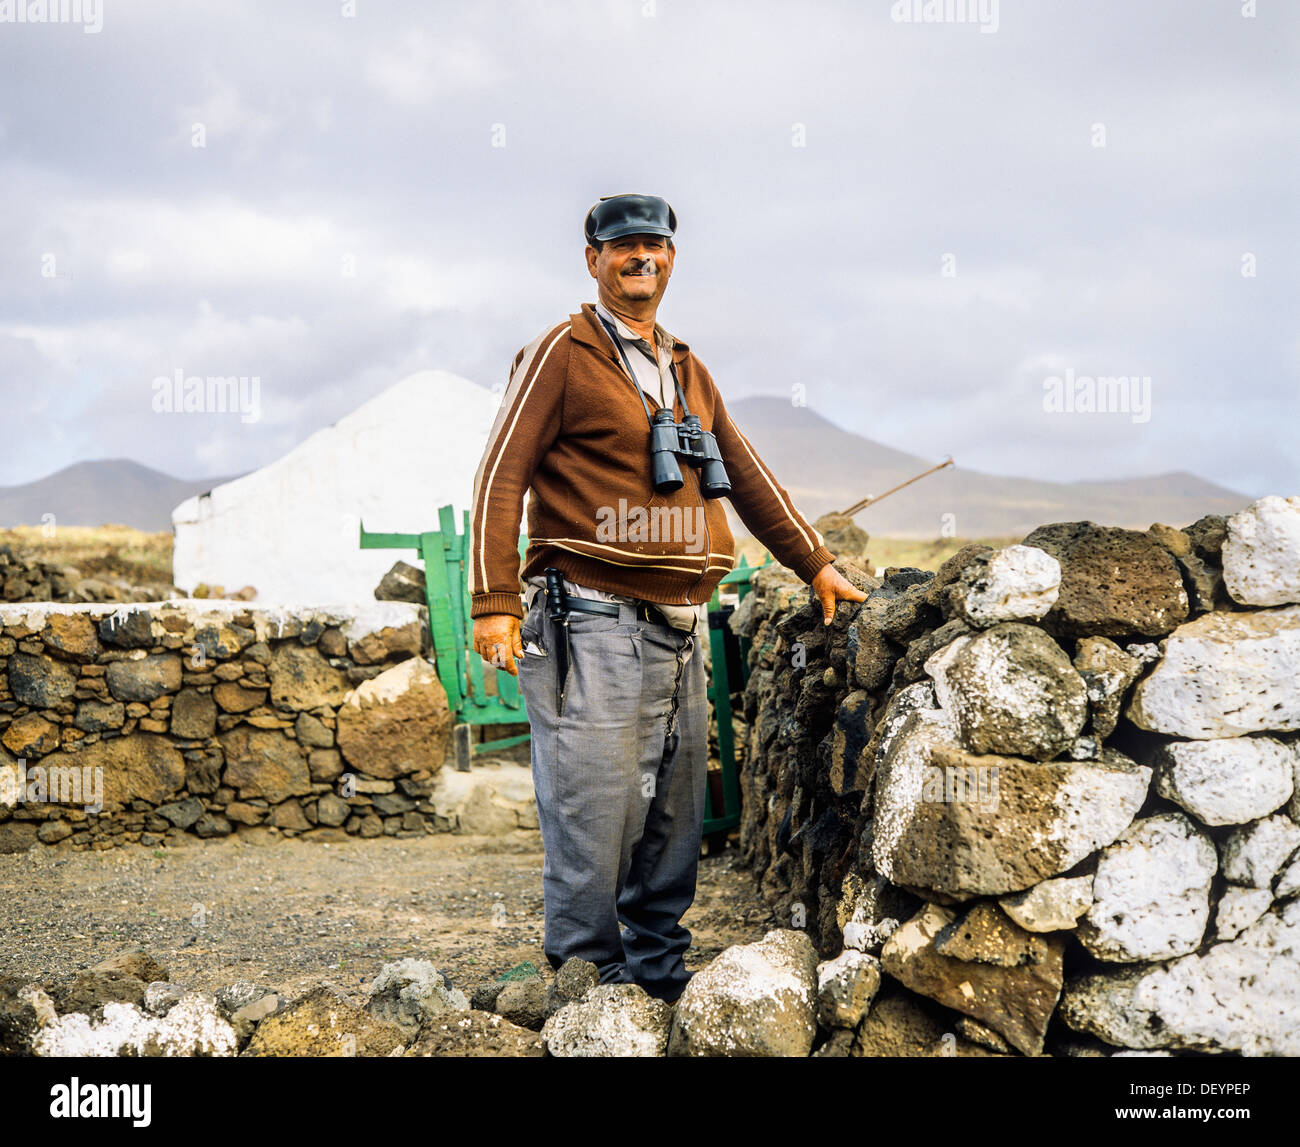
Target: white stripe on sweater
[{"x": 522, "y": 372}]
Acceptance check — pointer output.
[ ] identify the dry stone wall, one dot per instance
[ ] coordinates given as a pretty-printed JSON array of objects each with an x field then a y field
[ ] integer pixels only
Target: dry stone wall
[
  {"x": 152, "y": 721},
  {"x": 27, "y": 578},
  {"x": 1052, "y": 788}
]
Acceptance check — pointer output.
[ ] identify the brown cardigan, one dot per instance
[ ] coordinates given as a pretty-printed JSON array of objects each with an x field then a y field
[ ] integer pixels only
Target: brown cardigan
[{"x": 572, "y": 431}]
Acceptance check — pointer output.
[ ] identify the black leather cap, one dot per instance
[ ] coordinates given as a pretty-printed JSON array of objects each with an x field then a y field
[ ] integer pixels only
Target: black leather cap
[{"x": 617, "y": 215}]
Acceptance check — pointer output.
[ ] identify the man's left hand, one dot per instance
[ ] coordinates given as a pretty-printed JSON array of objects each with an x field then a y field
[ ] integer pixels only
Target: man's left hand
[{"x": 831, "y": 588}]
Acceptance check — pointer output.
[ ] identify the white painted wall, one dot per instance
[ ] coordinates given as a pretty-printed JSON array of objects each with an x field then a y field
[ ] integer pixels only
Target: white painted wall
[{"x": 290, "y": 529}]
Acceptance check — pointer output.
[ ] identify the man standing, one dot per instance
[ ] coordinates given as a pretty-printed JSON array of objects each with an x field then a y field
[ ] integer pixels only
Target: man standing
[{"x": 615, "y": 689}]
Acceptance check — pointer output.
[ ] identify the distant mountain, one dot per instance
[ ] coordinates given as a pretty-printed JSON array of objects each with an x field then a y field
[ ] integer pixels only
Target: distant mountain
[
  {"x": 824, "y": 468},
  {"x": 108, "y": 490},
  {"x": 821, "y": 465}
]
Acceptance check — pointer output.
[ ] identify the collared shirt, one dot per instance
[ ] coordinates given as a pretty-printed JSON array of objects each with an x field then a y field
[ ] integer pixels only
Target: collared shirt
[{"x": 652, "y": 371}]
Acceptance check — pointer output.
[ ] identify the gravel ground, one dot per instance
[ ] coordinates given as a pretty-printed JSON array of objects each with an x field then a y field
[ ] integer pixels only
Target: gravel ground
[{"x": 295, "y": 914}]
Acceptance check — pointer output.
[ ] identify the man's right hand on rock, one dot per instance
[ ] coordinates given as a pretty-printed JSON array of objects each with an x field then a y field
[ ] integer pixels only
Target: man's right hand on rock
[{"x": 498, "y": 640}]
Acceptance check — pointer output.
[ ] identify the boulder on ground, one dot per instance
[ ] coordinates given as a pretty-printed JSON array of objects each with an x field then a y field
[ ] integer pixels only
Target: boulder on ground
[
  {"x": 523, "y": 1002},
  {"x": 476, "y": 1035},
  {"x": 610, "y": 1020},
  {"x": 754, "y": 1000},
  {"x": 846, "y": 986},
  {"x": 411, "y": 993},
  {"x": 322, "y": 1023},
  {"x": 574, "y": 979},
  {"x": 192, "y": 1027}
]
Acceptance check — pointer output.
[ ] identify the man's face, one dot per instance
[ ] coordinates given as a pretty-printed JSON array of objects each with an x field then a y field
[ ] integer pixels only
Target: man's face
[{"x": 632, "y": 268}]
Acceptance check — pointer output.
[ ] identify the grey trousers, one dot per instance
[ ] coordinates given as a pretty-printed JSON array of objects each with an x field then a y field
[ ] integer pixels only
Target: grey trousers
[{"x": 620, "y": 777}]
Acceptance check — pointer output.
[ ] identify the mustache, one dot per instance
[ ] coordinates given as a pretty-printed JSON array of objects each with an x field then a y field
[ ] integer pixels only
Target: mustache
[{"x": 638, "y": 265}]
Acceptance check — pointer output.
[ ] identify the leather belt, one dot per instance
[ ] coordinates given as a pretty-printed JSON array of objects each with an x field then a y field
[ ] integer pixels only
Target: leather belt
[{"x": 644, "y": 610}]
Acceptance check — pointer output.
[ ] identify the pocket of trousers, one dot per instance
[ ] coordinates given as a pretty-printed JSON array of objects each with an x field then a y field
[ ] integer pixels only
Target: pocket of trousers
[
  {"x": 538, "y": 629},
  {"x": 530, "y": 637},
  {"x": 581, "y": 621},
  {"x": 604, "y": 673},
  {"x": 533, "y": 629}
]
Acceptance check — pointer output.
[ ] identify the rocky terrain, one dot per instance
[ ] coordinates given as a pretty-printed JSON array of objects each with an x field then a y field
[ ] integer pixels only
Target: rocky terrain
[
  {"x": 767, "y": 998},
  {"x": 302, "y": 917}
]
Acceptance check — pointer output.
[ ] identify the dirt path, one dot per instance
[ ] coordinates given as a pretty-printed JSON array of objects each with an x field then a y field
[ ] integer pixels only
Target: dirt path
[{"x": 294, "y": 914}]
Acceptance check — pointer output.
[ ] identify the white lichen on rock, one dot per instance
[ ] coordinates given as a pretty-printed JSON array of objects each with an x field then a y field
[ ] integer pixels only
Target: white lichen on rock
[{"x": 192, "y": 1027}]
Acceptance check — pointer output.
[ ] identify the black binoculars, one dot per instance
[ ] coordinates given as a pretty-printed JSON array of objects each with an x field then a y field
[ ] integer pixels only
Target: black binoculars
[{"x": 670, "y": 440}]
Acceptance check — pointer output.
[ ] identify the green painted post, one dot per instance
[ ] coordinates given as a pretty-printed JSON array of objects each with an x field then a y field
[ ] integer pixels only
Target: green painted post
[{"x": 442, "y": 624}]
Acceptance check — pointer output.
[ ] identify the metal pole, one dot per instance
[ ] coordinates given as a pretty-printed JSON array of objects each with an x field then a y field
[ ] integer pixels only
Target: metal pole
[{"x": 868, "y": 501}]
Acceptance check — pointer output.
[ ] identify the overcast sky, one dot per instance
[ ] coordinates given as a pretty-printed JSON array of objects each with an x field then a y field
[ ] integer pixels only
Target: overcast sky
[{"x": 919, "y": 222}]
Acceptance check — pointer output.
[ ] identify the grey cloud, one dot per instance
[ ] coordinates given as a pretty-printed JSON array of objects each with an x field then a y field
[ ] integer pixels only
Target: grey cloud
[{"x": 372, "y": 137}]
